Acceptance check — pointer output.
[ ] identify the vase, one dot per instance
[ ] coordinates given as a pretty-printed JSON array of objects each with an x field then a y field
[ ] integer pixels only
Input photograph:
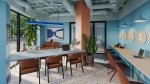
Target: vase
[{"x": 89, "y": 59}]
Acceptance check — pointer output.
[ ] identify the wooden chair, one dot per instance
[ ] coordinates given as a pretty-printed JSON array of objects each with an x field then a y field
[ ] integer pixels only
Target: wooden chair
[
  {"x": 113, "y": 65},
  {"x": 74, "y": 59},
  {"x": 29, "y": 66},
  {"x": 54, "y": 62},
  {"x": 123, "y": 79}
]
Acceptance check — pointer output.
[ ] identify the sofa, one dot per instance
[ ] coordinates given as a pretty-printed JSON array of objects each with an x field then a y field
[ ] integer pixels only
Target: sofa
[{"x": 50, "y": 45}]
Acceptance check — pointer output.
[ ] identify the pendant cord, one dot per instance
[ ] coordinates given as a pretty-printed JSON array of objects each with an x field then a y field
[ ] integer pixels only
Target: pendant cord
[{"x": 58, "y": 15}]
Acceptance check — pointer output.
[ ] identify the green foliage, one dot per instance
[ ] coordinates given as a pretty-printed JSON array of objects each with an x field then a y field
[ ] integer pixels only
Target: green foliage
[
  {"x": 30, "y": 34},
  {"x": 90, "y": 45},
  {"x": 75, "y": 42}
]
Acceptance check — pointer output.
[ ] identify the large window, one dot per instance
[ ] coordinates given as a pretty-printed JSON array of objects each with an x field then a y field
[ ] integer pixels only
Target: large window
[{"x": 13, "y": 28}]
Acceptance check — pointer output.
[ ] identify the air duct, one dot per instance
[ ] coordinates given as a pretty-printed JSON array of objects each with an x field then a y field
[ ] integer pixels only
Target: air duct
[
  {"x": 60, "y": 14},
  {"x": 69, "y": 7},
  {"x": 112, "y": 3},
  {"x": 100, "y": 12},
  {"x": 102, "y": 6},
  {"x": 24, "y": 4}
]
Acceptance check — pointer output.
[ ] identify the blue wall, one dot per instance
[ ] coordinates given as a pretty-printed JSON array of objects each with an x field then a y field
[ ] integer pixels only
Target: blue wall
[
  {"x": 112, "y": 33},
  {"x": 136, "y": 27},
  {"x": 66, "y": 33},
  {"x": 4, "y": 48}
]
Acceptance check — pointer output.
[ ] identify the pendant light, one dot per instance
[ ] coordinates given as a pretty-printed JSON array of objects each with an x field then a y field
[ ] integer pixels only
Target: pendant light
[
  {"x": 46, "y": 23},
  {"x": 124, "y": 23},
  {"x": 117, "y": 23},
  {"x": 140, "y": 19}
]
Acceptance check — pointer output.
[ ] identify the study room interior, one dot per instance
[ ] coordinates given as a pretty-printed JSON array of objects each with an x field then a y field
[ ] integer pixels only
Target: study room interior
[{"x": 74, "y": 42}]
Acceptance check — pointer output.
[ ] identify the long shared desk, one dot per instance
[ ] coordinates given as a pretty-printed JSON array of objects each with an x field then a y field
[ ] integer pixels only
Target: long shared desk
[
  {"x": 40, "y": 54},
  {"x": 143, "y": 65}
]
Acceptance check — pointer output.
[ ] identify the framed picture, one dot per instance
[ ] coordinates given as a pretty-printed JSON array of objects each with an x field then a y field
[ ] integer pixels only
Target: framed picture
[{"x": 55, "y": 33}]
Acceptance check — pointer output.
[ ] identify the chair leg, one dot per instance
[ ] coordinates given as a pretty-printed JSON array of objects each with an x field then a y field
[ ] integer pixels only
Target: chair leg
[
  {"x": 108, "y": 65},
  {"x": 112, "y": 75},
  {"x": 39, "y": 75},
  {"x": 66, "y": 63},
  {"x": 58, "y": 69},
  {"x": 111, "y": 71},
  {"x": 19, "y": 75},
  {"x": 45, "y": 68},
  {"x": 105, "y": 58},
  {"x": 47, "y": 73},
  {"x": 63, "y": 71},
  {"x": 76, "y": 65},
  {"x": 71, "y": 69},
  {"x": 82, "y": 67}
]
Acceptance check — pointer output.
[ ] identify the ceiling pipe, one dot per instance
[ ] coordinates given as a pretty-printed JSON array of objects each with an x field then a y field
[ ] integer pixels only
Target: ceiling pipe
[
  {"x": 24, "y": 4},
  {"x": 112, "y": 3},
  {"x": 89, "y": 5},
  {"x": 99, "y": 12},
  {"x": 102, "y": 6},
  {"x": 69, "y": 7}
]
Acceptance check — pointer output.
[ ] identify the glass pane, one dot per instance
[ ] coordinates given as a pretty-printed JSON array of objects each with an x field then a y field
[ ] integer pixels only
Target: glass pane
[
  {"x": 13, "y": 32},
  {"x": 73, "y": 30},
  {"x": 91, "y": 28},
  {"x": 13, "y": 28},
  {"x": 99, "y": 32},
  {"x": 23, "y": 25}
]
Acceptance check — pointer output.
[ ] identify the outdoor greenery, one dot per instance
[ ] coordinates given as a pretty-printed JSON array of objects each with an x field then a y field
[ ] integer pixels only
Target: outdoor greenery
[
  {"x": 30, "y": 33},
  {"x": 75, "y": 42},
  {"x": 90, "y": 45},
  {"x": 13, "y": 25}
]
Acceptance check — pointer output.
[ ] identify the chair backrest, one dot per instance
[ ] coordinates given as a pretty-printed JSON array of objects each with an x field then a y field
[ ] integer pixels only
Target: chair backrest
[
  {"x": 54, "y": 59},
  {"x": 123, "y": 79},
  {"x": 111, "y": 60},
  {"x": 29, "y": 63},
  {"x": 74, "y": 56}
]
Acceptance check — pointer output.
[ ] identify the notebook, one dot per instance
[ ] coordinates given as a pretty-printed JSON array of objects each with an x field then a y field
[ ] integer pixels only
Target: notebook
[
  {"x": 66, "y": 47},
  {"x": 140, "y": 54},
  {"x": 31, "y": 48}
]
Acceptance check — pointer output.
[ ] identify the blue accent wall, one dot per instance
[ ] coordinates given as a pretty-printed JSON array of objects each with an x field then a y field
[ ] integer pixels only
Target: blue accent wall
[
  {"x": 112, "y": 33},
  {"x": 66, "y": 33},
  {"x": 136, "y": 27},
  {"x": 4, "y": 49}
]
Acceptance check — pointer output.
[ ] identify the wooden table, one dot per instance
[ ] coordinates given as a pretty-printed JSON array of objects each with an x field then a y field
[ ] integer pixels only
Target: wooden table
[{"x": 143, "y": 65}]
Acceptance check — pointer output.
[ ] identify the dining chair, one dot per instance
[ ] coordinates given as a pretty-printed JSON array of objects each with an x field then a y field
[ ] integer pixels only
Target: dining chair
[
  {"x": 113, "y": 65},
  {"x": 54, "y": 62},
  {"x": 123, "y": 79},
  {"x": 74, "y": 59},
  {"x": 29, "y": 66}
]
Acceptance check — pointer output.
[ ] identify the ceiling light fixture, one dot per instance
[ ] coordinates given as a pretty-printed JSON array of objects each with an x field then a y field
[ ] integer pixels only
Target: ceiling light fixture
[
  {"x": 140, "y": 19},
  {"x": 117, "y": 23},
  {"x": 124, "y": 23}
]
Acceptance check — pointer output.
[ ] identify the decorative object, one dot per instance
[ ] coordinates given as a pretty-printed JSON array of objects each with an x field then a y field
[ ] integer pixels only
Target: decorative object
[
  {"x": 44, "y": 23},
  {"x": 120, "y": 36},
  {"x": 30, "y": 34},
  {"x": 55, "y": 33},
  {"x": 131, "y": 36},
  {"x": 140, "y": 19},
  {"x": 142, "y": 37},
  {"x": 51, "y": 40},
  {"x": 125, "y": 35},
  {"x": 90, "y": 47},
  {"x": 124, "y": 24},
  {"x": 74, "y": 43}
]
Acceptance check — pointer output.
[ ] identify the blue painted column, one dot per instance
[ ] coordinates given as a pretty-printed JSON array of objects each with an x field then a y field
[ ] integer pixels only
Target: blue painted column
[{"x": 4, "y": 44}]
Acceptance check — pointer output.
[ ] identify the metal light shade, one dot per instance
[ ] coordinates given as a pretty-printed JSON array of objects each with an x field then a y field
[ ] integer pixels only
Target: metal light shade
[
  {"x": 124, "y": 24},
  {"x": 117, "y": 27},
  {"x": 44, "y": 23},
  {"x": 141, "y": 19}
]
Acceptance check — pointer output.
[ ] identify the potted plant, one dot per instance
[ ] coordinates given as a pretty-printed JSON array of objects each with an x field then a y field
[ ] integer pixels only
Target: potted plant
[
  {"x": 90, "y": 47},
  {"x": 74, "y": 43},
  {"x": 30, "y": 34}
]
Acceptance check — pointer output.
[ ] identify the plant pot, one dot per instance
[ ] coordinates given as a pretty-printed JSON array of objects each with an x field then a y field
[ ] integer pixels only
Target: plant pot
[{"x": 89, "y": 59}]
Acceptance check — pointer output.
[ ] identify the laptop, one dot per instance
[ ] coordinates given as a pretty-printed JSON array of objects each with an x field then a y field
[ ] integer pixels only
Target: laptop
[
  {"x": 31, "y": 48},
  {"x": 140, "y": 54},
  {"x": 66, "y": 47}
]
